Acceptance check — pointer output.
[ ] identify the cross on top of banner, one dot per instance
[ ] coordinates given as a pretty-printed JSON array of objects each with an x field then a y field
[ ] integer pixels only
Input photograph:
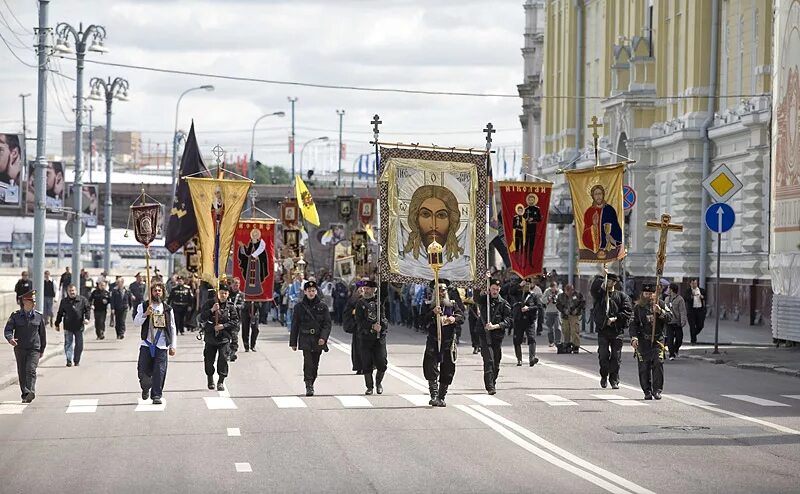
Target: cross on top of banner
[
  {"x": 218, "y": 153},
  {"x": 489, "y": 131}
]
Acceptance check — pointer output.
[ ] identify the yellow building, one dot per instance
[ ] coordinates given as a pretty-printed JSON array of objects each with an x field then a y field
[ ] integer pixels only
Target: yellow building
[{"x": 644, "y": 67}]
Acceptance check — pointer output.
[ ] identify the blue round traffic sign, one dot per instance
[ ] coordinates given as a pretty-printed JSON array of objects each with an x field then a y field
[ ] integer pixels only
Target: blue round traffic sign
[
  {"x": 628, "y": 197},
  {"x": 720, "y": 217}
]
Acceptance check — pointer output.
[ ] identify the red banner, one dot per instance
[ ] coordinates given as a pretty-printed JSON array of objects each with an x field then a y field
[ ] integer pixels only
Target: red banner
[
  {"x": 366, "y": 210},
  {"x": 254, "y": 251},
  {"x": 525, "y": 207}
]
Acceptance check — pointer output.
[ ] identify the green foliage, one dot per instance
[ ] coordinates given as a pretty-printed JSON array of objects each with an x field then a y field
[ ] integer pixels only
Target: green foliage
[{"x": 271, "y": 175}]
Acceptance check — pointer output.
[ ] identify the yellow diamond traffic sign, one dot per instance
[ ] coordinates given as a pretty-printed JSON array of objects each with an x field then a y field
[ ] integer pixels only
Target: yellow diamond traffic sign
[{"x": 722, "y": 184}]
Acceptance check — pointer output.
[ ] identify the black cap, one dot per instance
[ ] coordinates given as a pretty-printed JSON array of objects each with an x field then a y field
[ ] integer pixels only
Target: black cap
[
  {"x": 613, "y": 277},
  {"x": 442, "y": 281},
  {"x": 495, "y": 281},
  {"x": 223, "y": 287},
  {"x": 370, "y": 284},
  {"x": 310, "y": 284},
  {"x": 648, "y": 287}
]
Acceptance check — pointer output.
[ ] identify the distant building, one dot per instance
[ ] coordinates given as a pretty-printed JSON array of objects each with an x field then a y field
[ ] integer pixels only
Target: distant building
[
  {"x": 126, "y": 145},
  {"x": 531, "y": 89}
]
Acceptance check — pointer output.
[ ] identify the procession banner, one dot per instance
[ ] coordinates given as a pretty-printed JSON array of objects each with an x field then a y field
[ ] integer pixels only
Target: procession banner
[
  {"x": 426, "y": 195},
  {"x": 525, "y": 207},
  {"x": 182, "y": 221},
  {"x": 597, "y": 206},
  {"x": 254, "y": 244},
  {"x": 289, "y": 213},
  {"x": 306, "y": 202},
  {"x": 344, "y": 268},
  {"x": 145, "y": 222},
  {"x": 366, "y": 210}
]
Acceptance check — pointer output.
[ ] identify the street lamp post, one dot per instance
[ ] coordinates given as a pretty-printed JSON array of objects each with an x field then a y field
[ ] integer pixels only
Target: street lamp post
[
  {"x": 339, "y": 174},
  {"x": 302, "y": 149},
  {"x": 81, "y": 38},
  {"x": 40, "y": 178},
  {"x": 251, "y": 169},
  {"x": 108, "y": 91},
  {"x": 292, "y": 100}
]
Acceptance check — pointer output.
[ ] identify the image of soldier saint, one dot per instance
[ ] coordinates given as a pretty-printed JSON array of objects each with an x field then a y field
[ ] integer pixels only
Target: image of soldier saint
[
  {"x": 254, "y": 263},
  {"x": 433, "y": 213},
  {"x": 601, "y": 229},
  {"x": 532, "y": 216}
]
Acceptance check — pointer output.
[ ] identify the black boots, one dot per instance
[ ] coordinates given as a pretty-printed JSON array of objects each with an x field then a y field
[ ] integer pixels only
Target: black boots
[
  {"x": 309, "y": 388},
  {"x": 440, "y": 398},
  {"x": 603, "y": 382},
  {"x": 220, "y": 384},
  {"x": 211, "y": 382},
  {"x": 378, "y": 381},
  {"x": 534, "y": 361},
  {"x": 433, "y": 389},
  {"x": 369, "y": 382}
]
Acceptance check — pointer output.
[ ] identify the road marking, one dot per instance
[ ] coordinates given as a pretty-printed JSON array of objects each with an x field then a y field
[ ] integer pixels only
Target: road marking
[
  {"x": 12, "y": 408},
  {"x": 396, "y": 372},
  {"x": 621, "y": 400},
  {"x": 794, "y": 397},
  {"x": 234, "y": 432},
  {"x": 219, "y": 403},
  {"x": 148, "y": 406},
  {"x": 487, "y": 400},
  {"x": 225, "y": 394},
  {"x": 554, "y": 400},
  {"x": 504, "y": 427},
  {"x": 417, "y": 400},
  {"x": 354, "y": 401},
  {"x": 243, "y": 468},
  {"x": 289, "y": 402},
  {"x": 691, "y": 401},
  {"x": 757, "y": 401},
  {"x": 82, "y": 406}
]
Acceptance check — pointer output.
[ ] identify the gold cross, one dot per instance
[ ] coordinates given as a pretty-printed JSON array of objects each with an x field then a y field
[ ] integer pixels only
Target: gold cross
[
  {"x": 661, "y": 257},
  {"x": 594, "y": 126}
]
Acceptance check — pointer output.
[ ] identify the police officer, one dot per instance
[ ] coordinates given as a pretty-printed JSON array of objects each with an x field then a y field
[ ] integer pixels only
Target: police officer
[
  {"x": 220, "y": 319},
  {"x": 650, "y": 353},
  {"x": 181, "y": 298},
  {"x": 311, "y": 327},
  {"x": 100, "y": 299},
  {"x": 372, "y": 337},
  {"x": 611, "y": 313},
  {"x": 495, "y": 326},
  {"x": 451, "y": 316},
  {"x": 524, "y": 315},
  {"x": 25, "y": 332},
  {"x": 251, "y": 315}
]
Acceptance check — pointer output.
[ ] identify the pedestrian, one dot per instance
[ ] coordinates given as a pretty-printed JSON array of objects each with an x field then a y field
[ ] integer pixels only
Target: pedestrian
[
  {"x": 87, "y": 284},
  {"x": 103, "y": 278},
  {"x": 121, "y": 301},
  {"x": 250, "y": 316},
  {"x": 340, "y": 297},
  {"x": 180, "y": 298},
  {"x": 677, "y": 307},
  {"x": 570, "y": 304},
  {"x": 65, "y": 282},
  {"x": 696, "y": 309},
  {"x": 159, "y": 342},
  {"x": 539, "y": 289},
  {"x": 438, "y": 365},
  {"x": 495, "y": 323},
  {"x": 25, "y": 332},
  {"x": 49, "y": 298},
  {"x": 294, "y": 294},
  {"x": 311, "y": 327},
  {"x": 137, "y": 289},
  {"x": 524, "y": 314},
  {"x": 649, "y": 313},
  {"x": 100, "y": 299},
  {"x": 372, "y": 337},
  {"x": 237, "y": 298},
  {"x": 552, "y": 318},
  {"x": 220, "y": 319},
  {"x": 612, "y": 313},
  {"x": 349, "y": 326},
  {"x": 472, "y": 320},
  {"x": 23, "y": 286},
  {"x": 74, "y": 311}
]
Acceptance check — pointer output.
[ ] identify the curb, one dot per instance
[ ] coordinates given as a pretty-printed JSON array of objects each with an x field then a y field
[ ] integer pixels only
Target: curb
[
  {"x": 626, "y": 339},
  {"x": 759, "y": 366},
  {"x": 11, "y": 378}
]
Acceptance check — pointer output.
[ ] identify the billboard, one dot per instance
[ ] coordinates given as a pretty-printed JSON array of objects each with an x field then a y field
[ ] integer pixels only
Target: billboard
[
  {"x": 56, "y": 186},
  {"x": 12, "y": 154},
  {"x": 90, "y": 203}
]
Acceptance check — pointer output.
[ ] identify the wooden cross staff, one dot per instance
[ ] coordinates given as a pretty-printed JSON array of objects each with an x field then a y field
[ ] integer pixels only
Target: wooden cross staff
[
  {"x": 594, "y": 126},
  {"x": 661, "y": 256}
]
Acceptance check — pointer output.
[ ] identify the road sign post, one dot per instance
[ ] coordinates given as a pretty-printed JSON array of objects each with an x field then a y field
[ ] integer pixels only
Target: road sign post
[{"x": 719, "y": 219}]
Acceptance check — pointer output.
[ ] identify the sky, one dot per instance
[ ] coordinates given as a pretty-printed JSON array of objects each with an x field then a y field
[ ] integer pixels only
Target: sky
[{"x": 438, "y": 45}]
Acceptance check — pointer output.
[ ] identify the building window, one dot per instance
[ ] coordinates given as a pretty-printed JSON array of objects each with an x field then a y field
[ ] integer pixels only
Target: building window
[
  {"x": 740, "y": 56},
  {"x": 754, "y": 54},
  {"x": 723, "y": 77}
]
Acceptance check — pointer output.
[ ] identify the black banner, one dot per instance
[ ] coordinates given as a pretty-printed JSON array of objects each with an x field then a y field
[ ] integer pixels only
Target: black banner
[{"x": 182, "y": 225}]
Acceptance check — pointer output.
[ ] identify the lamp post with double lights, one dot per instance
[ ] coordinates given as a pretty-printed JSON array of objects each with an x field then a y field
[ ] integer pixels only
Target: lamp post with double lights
[
  {"x": 109, "y": 91},
  {"x": 302, "y": 149},
  {"x": 81, "y": 38}
]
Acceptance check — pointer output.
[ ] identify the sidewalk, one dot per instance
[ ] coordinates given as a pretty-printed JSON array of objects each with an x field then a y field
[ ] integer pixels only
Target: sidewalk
[
  {"x": 730, "y": 333},
  {"x": 8, "y": 364}
]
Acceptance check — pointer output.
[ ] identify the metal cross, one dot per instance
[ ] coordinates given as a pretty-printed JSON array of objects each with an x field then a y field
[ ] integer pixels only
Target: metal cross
[
  {"x": 375, "y": 122},
  {"x": 218, "y": 152},
  {"x": 661, "y": 257},
  {"x": 594, "y": 126},
  {"x": 489, "y": 130}
]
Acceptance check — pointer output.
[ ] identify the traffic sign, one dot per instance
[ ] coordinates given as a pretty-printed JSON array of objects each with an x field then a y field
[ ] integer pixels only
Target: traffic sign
[
  {"x": 720, "y": 217},
  {"x": 722, "y": 184},
  {"x": 628, "y": 197},
  {"x": 70, "y": 227}
]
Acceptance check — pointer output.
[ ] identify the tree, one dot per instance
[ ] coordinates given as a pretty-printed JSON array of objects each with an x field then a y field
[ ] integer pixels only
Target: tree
[{"x": 270, "y": 174}]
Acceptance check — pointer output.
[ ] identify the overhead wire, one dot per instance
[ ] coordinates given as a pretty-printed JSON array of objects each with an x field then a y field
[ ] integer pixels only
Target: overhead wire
[
  {"x": 25, "y": 29},
  {"x": 23, "y": 62}
]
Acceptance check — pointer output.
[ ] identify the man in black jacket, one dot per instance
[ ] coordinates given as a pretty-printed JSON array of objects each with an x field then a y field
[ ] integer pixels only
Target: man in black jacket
[
  {"x": 24, "y": 285},
  {"x": 236, "y": 296},
  {"x": 650, "y": 352},
  {"x": 695, "y": 309},
  {"x": 137, "y": 289},
  {"x": 495, "y": 325},
  {"x": 438, "y": 365},
  {"x": 74, "y": 311},
  {"x": 25, "y": 332},
  {"x": 524, "y": 315},
  {"x": 181, "y": 297},
  {"x": 251, "y": 315},
  {"x": 220, "y": 319},
  {"x": 121, "y": 301},
  {"x": 612, "y": 314},
  {"x": 64, "y": 282},
  {"x": 311, "y": 327},
  {"x": 100, "y": 299},
  {"x": 372, "y": 337},
  {"x": 49, "y": 297}
]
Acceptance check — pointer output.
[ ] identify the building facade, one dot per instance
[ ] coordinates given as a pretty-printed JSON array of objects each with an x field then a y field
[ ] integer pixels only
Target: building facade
[
  {"x": 126, "y": 145},
  {"x": 531, "y": 89}
]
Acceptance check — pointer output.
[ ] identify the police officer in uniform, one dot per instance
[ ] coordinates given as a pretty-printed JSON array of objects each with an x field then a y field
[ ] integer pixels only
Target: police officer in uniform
[
  {"x": 440, "y": 377},
  {"x": 612, "y": 313},
  {"x": 494, "y": 326},
  {"x": 650, "y": 354},
  {"x": 100, "y": 299},
  {"x": 220, "y": 319},
  {"x": 25, "y": 332},
  {"x": 524, "y": 321},
  {"x": 311, "y": 327},
  {"x": 181, "y": 298},
  {"x": 372, "y": 337}
]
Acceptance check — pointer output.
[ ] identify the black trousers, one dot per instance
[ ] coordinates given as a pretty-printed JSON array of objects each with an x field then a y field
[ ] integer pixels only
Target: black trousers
[
  {"x": 180, "y": 317},
  {"x": 431, "y": 368},
  {"x": 152, "y": 370},
  {"x": 609, "y": 351},
  {"x": 27, "y": 362},
  {"x": 539, "y": 320},
  {"x": 492, "y": 352},
  {"x": 355, "y": 353},
  {"x": 373, "y": 353},
  {"x": 119, "y": 321},
  {"x": 651, "y": 371},
  {"x": 218, "y": 353},
  {"x": 311, "y": 365},
  {"x": 520, "y": 330},
  {"x": 697, "y": 319},
  {"x": 674, "y": 339},
  {"x": 250, "y": 327},
  {"x": 473, "y": 332},
  {"x": 100, "y": 323}
]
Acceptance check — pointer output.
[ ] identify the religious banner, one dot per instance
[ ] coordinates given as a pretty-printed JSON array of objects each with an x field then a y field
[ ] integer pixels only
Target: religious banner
[
  {"x": 344, "y": 268},
  {"x": 427, "y": 195},
  {"x": 192, "y": 252},
  {"x": 307, "y": 205},
  {"x": 182, "y": 222},
  {"x": 254, "y": 250},
  {"x": 291, "y": 241},
  {"x": 345, "y": 207},
  {"x": 597, "y": 206},
  {"x": 145, "y": 222},
  {"x": 289, "y": 213},
  {"x": 366, "y": 210},
  {"x": 525, "y": 207}
]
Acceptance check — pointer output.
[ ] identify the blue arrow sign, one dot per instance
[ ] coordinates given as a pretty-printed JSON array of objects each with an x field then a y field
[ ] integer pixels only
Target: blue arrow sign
[
  {"x": 720, "y": 217},
  {"x": 628, "y": 197}
]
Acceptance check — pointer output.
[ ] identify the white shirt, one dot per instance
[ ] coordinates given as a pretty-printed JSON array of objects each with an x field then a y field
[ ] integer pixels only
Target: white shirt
[
  {"x": 158, "y": 308},
  {"x": 697, "y": 302}
]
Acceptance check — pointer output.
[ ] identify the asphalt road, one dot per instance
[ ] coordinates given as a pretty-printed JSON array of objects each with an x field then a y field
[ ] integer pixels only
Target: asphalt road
[{"x": 550, "y": 428}]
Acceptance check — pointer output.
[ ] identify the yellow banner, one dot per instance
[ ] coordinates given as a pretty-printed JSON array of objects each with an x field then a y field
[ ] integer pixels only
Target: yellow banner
[
  {"x": 597, "y": 206},
  {"x": 306, "y": 202},
  {"x": 217, "y": 206}
]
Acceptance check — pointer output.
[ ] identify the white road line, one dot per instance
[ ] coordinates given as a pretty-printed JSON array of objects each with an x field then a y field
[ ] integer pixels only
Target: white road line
[
  {"x": 475, "y": 412},
  {"x": 234, "y": 432},
  {"x": 289, "y": 402},
  {"x": 243, "y": 468},
  {"x": 417, "y": 400},
  {"x": 82, "y": 406},
  {"x": 757, "y": 401},
  {"x": 554, "y": 400},
  {"x": 354, "y": 401},
  {"x": 225, "y": 394},
  {"x": 794, "y": 397},
  {"x": 691, "y": 401},
  {"x": 148, "y": 406},
  {"x": 219, "y": 403},
  {"x": 487, "y": 400},
  {"x": 621, "y": 400},
  {"x": 12, "y": 408}
]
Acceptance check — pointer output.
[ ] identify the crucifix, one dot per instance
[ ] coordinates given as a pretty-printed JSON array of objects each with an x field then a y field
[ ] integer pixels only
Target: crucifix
[
  {"x": 376, "y": 120},
  {"x": 218, "y": 153},
  {"x": 594, "y": 126},
  {"x": 665, "y": 227},
  {"x": 489, "y": 130}
]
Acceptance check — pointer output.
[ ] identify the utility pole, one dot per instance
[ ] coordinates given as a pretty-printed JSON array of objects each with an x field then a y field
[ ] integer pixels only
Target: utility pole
[
  {"x": 40, "y": 184},
  {"x": 292, "y": 100},
  {"x": 91, "y": 143},
  {"x": 339, "y": 174}
]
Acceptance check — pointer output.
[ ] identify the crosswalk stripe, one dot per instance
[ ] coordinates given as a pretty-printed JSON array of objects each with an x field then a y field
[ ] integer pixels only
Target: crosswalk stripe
[
  {"x": 488, "y": 400},
  {"x": 219, "y": 403},
  {"x": 12, "y": 408},
  {"x": 148, "y": 406},
  {"x": 691, "y": 401},
  {"x": 234, "y": 432},
  {"x": 757, "y": 401},
  {"x": 243, "y": 468},
  {"x": 289, "y": 402},
  {"x": 621, "y": 400},
  {"x": 353, "y": 401},
  {"x": 554, "y": 400},
  {"x": 417, "y": 400},
  {"x": 793, "y": 397},
  {"x": 82, "y": 406}
]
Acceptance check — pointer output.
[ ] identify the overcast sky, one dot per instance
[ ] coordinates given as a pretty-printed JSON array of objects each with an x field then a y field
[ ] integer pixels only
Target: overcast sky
[{"x": 441, "y": 45}]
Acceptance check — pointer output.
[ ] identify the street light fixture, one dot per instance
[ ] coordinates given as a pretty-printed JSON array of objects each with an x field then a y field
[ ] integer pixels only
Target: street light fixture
[
  {"x": 253, "y": 138},
  {"x": 302, "y": 149}
]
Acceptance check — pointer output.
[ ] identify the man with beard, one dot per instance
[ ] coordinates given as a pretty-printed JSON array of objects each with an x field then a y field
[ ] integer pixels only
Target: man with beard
[
  {"x": 311, "y": 327},
  {"x": 372, "y": 337},
  {"x": 495, "y": 323},
  {"x": 74, "y": 311},
  {"x": 181, "y": 297},
  {"x": 121, "y": 301},
  {"x": 524, "y": 319},
  {"x": 25, "y": 332},
  {"x": 220, "y": 319},
  {"x": 159, "y": 339},
  {"x": 612, "y": 314},
  {"x": 450, "y": 316},
  {"x": 649, "y": 311},
  {"x": 100, "y": 299}
]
